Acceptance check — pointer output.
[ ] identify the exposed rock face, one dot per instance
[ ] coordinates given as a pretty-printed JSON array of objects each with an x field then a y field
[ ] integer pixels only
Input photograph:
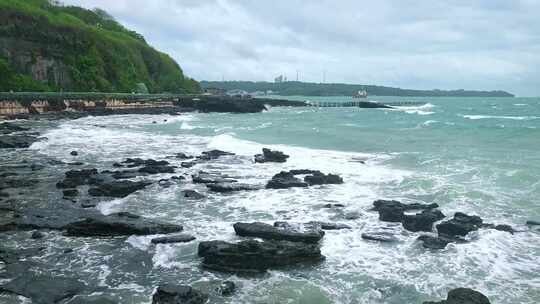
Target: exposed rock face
[
  {"x": 460, "y": 225},
  {"x": 178, "y": 294},
  {"x": 137, "y": 162},
  {"x": 226, "y": 288},
  {"x": 232, "y": 187},
  {"x": 117, "y": 188},
  {"x": 533, "y": 223},
  {"x": 279, "y": 231},
  {"x": 406, "y": 207},
  {"x": 284, "y": 180},
  {"x": 319, "y": 178},
  {"x": 8, "y": 128},
  {"x": 394, "y": 211},
  {"x": 43, "y": 289},
  {"x": 180, "y": 238},
  {"x": 151, "y": 169},
  {"x": 182, "y": 155},
  {"x": 271, "y": 156},
  {"x": 75, "y": 178},
  {"x": 422, "y": 221},
  {"x": 254, "y": 256},
  {"x": 463, "y": 296},
  {"x": 118, "y": 224},
  {"x": 16, "y": 141}
]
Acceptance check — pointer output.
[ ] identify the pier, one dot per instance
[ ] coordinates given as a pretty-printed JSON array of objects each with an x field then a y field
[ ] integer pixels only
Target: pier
[{"x": 363, "y": 104}]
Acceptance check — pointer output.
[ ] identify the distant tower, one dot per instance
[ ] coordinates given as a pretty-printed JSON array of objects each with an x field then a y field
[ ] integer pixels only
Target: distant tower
[{"x": 296, "y": 75}]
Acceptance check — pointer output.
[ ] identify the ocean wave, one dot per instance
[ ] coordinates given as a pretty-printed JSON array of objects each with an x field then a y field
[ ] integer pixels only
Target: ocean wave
[{"x": 476, "y": 117}]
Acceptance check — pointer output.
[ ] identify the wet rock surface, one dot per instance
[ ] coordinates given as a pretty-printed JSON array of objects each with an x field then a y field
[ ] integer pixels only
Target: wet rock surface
[
  {"x": 280, "y": 231},
  {"x": 43, "y": 289},
  {"x": 180, "y": 238},
  {"x": 380, "y": 236},
  {"x": 117, "y": 188},
  {"x": 271, "y": 156},
  {"x": 232, "y": 187},
  {"x": 255, "y": 256},
  {"x": 284, "y": 180},
  {"x": 178, "y": 294},
  {"x": 463, "y": 296},
  {"x": 460, "y": 225},
  {"x": 16, "y": 141}
]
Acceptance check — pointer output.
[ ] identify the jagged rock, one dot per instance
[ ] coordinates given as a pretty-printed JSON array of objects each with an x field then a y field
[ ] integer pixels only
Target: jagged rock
[
  {"x": 439, "y": 242},
  {"x": 88, "y": 205},
  {"x": 16, "y": 141},
  {"x": 188, "y": 164},
  {"x": 533, "y": 223},
  {"x": 422, "y": 221},
  {"x": 254, "y": 256},
  {"x": 463, "y": 296},
  {"x": 117, "y": 188},
  {"x": 271, "y": 156},
  {"x": 213, "y": 154},
  {"x": 192, "y": 194},
  {"x": 178, "y": 294},
  {"x": 232, "y": 187},
  {"x": 502, "y": 227},
  {"x": 323, "y": 179},
  {"x": 43, "y": 289},
  {"x": 226, "y": 288},
  {"x": 152, "y": 169},
  {"x": 280, "y": 231},
  {"x": 284, "y": 180},
  {"x": 460, "y": 225},
  {"x": 118, "y": 224},
  {"x": 211, "y": 178},
  {"x": 137, "y": 162},
  {"x": 381, "y": 236},
  {"x": 117, "y": 165},
  {"x": 182, "y": 155},
  {"x": 180, "y": 238},
  {"x": 74, "y": 153}
]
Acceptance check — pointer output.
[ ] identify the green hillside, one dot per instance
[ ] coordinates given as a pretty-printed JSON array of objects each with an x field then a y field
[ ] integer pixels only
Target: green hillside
[{"x": 48, "y": 47}]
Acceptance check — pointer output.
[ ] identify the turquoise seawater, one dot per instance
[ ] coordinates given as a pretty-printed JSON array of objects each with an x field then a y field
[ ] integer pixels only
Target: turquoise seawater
[{"x": 475, "y": 155}]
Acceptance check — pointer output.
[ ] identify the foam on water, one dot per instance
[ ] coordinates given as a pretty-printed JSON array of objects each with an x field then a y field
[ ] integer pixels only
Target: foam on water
[{"x": 475, "y": 117}]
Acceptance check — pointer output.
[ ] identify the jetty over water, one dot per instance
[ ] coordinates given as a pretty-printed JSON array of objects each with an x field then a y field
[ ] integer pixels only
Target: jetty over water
[{"x": 363, "y": 104}]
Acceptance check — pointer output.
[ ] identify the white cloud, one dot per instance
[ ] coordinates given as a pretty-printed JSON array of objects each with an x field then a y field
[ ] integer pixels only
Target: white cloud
[{"x": 479, "y": 44}]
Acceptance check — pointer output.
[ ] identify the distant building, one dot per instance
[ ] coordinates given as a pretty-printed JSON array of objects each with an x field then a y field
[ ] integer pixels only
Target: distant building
[
  {"x": 214, "y": 91},
  {"x": 278, "y": 79},
  {"x": 239, "y": 94}
]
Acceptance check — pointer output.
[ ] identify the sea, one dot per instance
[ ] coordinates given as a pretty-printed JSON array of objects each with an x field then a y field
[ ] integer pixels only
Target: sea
[{"x": 480, "y": 156}]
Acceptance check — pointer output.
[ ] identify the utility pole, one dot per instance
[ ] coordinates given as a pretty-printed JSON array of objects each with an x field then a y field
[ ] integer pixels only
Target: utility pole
[
  {"x": 324, "y": 76},
  {"x": 296, "y": 75}
]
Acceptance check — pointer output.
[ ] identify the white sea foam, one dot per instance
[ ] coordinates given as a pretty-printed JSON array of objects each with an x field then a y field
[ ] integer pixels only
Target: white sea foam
[{"x": 476, "y": 117}]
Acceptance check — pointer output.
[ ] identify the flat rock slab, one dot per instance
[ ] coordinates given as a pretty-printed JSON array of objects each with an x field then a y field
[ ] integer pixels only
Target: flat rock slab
[
  {"x": 211, "y": 178},
  {"x": 180, "y": 238},
  {"x": 254, "y": 256},
  {"x": 277, "y": 232},
  {"x": 118, "y": 224},
  {"x": 117, "y": 188},
  {"x": 178, "y": 294},
  {"x": 16, "y": 141},
  {"x": 42, "y": 289}
]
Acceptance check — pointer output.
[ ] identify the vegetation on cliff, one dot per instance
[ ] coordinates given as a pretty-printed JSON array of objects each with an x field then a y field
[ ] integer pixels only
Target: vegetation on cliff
[
  {"x": 49, "y": 47},
  {"x": 290, "y": 88}
]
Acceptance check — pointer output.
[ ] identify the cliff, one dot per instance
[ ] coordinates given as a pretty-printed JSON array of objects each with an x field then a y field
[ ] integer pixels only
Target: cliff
[{"x": 46, "y": 47}]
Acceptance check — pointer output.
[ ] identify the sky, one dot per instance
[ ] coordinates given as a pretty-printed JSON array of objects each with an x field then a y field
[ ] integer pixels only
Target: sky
[{"x": 415, "y": 44}]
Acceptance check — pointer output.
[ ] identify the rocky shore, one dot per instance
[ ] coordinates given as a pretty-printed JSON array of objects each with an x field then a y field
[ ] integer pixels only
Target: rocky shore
[{"x": 261, "y": 246}]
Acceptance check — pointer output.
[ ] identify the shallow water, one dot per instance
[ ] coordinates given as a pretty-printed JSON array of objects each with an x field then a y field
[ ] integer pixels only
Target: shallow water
[{"x": 475, "y": 155}]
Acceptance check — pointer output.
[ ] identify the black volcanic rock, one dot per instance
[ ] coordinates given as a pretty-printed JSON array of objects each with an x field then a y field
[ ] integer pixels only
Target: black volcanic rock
[
  {"x": 213, "y": 154},
  {"x": 422, "y": 221},
  {"x": 155, "y": 169},
  {"x": 211, "y": 178},
  {"x": 192, "y": 194},
  {"x": 460, "y": 225},
  {"x": 254, "y": 256},
  {"x": 319, "y": 178},
  {"x": 277, "y": 232},
  {"x": 271, "y": 156},
  {"x": 284, "y": 180},
  {"x": 75, "y": 178},
  {"x": 117, "y": 188},
  {"x": 44, "y": 289},
  {"x": 463, "y": 296},
  {"x": 178, "y": 294},
  {"x": 118, "y": 224},
  {"x": 380, "y": 236}
]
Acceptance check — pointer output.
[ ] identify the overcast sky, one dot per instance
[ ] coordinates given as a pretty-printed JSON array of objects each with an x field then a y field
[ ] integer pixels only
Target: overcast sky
[{"x": 420, "y": 44}]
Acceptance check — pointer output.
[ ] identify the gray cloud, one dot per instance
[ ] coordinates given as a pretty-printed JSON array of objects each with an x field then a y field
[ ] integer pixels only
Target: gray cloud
[{"x": 482, "y": 44}]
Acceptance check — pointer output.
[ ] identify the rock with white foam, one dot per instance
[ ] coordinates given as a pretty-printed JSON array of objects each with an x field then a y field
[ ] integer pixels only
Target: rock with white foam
[
  {"x": 280, "y": 231},
  {"x": 178, "y": 294},
  {"x": 463, "y": 296}
]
